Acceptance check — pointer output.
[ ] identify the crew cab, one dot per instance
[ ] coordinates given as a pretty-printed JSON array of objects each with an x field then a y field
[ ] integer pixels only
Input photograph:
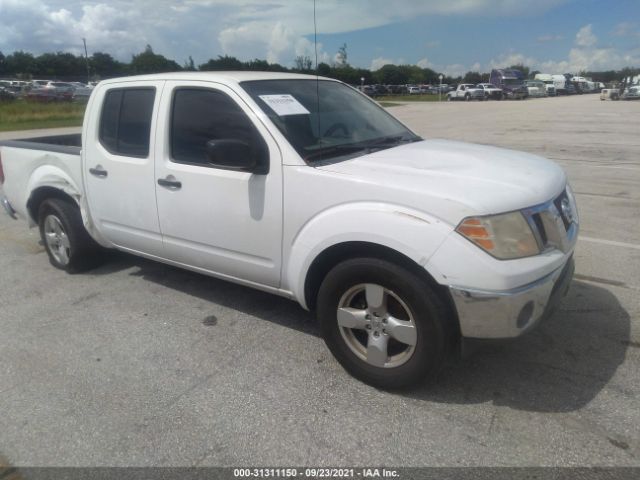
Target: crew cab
[
  {"x": 466, "y": 91},
  {"x": 304, "y": 187}
]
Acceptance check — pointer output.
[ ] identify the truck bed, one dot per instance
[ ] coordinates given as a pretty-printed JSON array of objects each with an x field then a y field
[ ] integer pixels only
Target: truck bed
[
  {"x": 31, "y": 162},
  {"x": 70, "y": 144}
]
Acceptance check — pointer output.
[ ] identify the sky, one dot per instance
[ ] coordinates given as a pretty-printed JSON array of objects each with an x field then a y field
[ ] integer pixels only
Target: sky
[{"x": 449, "y": 36}]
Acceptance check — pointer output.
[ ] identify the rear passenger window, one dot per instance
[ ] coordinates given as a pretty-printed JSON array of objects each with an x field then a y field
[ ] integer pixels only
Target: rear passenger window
[
  {"x": 200, "y": 115},
  {"x": 125, "y": 122}
]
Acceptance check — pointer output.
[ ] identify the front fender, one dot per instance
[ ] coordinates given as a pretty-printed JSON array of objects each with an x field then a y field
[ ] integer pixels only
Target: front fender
[{"x": 410, "y": 232}]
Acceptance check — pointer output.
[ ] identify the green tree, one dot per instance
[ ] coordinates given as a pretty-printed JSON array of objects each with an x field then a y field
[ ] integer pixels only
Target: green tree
[
  {"x": 2, "y": 64},
  {"x": 303, "y": 63},
  {"x": 150, "y": 62},
  {"x": 341, "y": 57},
  {"x": 21, "y": 63},
  {"x": 524, "y": 69},
  {"x": 472, "y": 77},
  {"x": 189, "y": 66},
  {"x": 60, "y": 64},
  {"x": 431, "y": 76},
  {"x": 222, "y": 63},
  {"x": 414, "y": 75},
  {"x": 104, "y": 65},
  {"x": 324, "y": 69},
  {"x": 390, "y": 75}
]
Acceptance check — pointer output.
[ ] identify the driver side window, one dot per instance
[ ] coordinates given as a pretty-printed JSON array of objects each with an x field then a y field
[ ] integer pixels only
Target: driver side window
[{"x": 200, "y": 115}]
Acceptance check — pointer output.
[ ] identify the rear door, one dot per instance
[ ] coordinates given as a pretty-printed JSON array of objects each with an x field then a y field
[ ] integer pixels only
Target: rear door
[{"x": 119, "y": 165}]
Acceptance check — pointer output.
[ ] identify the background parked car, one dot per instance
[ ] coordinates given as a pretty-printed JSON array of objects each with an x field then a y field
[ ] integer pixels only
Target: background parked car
[
  {"x": 82, "y": 93},
  {"x": 632, "y": 93},
  {"x": 466, "y": 91},
  {"x": 610, "y": 94},
  {"x": 536, "y": 88},
  {"x": 7, "y": 95},
  {"x": 491, "y": 91}
]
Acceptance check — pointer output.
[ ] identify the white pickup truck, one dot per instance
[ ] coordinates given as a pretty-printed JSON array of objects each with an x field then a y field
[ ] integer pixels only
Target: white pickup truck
[
  {"x": 467, "y": 91},
  {"x": 304, "y": 187}
]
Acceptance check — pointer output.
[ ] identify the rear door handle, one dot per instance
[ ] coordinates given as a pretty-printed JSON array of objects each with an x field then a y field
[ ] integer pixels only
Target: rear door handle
[
  {"x": 170, "y": 182},
  {"x": 98, "y": 171}
]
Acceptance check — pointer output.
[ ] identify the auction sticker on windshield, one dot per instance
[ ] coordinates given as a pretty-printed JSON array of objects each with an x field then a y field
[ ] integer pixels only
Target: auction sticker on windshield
[{"x": 284, "y": 105}]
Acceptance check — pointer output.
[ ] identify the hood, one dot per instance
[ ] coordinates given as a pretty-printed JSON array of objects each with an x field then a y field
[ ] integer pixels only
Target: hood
[{"x": 452, "y": 180}]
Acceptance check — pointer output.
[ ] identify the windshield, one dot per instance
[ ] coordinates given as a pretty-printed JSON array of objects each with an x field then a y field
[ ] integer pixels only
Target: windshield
[{"x": 348, "y": 124}]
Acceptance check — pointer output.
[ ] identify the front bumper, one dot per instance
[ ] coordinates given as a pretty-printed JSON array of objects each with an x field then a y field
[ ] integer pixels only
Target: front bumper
[
  {"x": 8, "y": 208},
  {"x": 508, "y": 314}
]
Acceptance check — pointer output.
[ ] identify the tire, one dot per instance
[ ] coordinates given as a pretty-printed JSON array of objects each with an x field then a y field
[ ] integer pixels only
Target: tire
[
  {"x": 448, "y": 98},
  {"x": 467, "y": 97},
  {"x": 414, "y": 353},
  {"x": 66, "y": 241}
]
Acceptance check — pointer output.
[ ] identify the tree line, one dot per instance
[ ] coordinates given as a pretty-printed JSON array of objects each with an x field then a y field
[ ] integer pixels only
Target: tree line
[{"x": 100, "y": 65}]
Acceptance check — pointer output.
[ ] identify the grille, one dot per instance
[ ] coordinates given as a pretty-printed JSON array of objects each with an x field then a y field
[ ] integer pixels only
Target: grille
[{"x": 552, "y": 225}]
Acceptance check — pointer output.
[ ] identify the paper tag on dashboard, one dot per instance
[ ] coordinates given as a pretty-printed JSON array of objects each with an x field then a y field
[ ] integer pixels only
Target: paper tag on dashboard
[{"x": 284, "y": 105}]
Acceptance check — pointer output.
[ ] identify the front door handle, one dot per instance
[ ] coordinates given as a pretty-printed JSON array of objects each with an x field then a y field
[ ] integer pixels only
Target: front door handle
[
  {"x": 98, "y": 171},
  {"x": 170, "y": 182}
]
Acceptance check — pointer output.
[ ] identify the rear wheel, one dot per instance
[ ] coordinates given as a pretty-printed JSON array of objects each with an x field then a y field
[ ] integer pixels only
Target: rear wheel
[
  {"x": 383, "y": 323},
  {"x": 65, "y": 239}
]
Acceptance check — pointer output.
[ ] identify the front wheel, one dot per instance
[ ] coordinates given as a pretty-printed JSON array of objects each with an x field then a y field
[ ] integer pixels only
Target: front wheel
[
  {"x": 65, "y": 239},
  {"x": 383, "y": 323}
]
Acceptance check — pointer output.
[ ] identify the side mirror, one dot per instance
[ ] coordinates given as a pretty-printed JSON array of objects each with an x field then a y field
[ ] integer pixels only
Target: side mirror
[{"x": 232, "y": 154}]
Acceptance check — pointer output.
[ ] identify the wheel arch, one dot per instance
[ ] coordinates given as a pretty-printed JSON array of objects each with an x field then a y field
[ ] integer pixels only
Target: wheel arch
[
  {"x": 335, "y": 254},
  {"x": 43, "y": 193}
]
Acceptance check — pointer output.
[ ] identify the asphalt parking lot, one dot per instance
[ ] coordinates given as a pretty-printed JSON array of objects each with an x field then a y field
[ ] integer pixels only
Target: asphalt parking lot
[{"x": 137, "y": 363}]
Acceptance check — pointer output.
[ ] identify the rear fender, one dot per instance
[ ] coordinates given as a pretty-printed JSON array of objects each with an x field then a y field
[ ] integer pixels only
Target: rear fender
[{"x": 49, "y": 176}]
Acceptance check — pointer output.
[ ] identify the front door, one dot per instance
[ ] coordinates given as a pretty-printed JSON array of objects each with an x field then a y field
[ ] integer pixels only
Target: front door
[{"x": 220, "y": 220}]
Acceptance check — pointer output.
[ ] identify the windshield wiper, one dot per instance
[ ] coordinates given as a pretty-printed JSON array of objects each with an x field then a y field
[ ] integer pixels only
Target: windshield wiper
[
  {"x": 390, "y": 142},
  {"x": 367, "y": 146},
  {"x": 339, "y": 149}
]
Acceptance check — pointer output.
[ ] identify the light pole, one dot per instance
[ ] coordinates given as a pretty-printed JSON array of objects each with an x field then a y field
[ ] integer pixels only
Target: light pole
[
  {"x": 86, "y": 58},
  {"x": 440, "y": 89},
  {"x": 361, "y": 84}
]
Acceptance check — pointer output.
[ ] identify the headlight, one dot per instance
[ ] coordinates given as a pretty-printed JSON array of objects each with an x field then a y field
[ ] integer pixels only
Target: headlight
[{"x": 504, "y": 236}]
